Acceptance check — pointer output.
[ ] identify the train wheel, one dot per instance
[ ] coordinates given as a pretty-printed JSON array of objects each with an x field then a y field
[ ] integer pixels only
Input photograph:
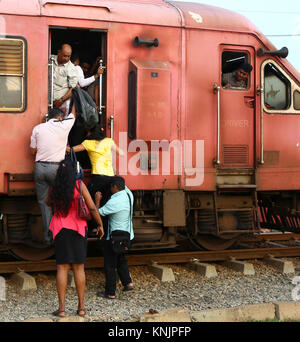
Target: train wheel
[
  {"x": 31, "y": 254},
  {"x": 213, "y": 243}
]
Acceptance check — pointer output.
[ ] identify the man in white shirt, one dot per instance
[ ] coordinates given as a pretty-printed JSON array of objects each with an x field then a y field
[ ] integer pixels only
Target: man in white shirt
[
  {"x": 84, "y": 82},
  {"x": 48, "y": 145},
  {"x": 65, "y": 78}
]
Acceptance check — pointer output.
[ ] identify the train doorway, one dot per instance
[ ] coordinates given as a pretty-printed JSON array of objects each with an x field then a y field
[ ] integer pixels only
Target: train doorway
[
  {"x": 237, "y": 110},
  {"x": 90, "y": 45}
]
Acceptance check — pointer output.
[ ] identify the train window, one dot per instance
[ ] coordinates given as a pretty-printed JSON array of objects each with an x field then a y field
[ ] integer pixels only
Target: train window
[
  {"x": 231, "y": 63},
  {"x": 277, "y": 88},
  {"x": 12, "y": 74},
  {"x": 297, "y": 100},
  {"x": 132, "y": 104}
]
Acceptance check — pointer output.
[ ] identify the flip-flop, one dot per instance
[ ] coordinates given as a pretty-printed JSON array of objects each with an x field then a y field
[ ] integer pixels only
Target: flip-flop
[
  {"x": 81, "y": 310},
  {"x": 58, "y": 313}
]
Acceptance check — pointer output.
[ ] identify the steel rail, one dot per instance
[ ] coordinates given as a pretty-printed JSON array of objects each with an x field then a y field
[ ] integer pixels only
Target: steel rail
[{"x": 161, "y": 258}]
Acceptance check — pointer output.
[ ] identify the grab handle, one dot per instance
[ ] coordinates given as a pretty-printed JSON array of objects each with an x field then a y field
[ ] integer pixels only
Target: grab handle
[
  {"x": 51, "y": 64},
  {"x": 260, "y": 91},
  {"x": 111, "y": 126},
  {"x": 217, "y": 90},
  {"x": 101, "y": 107}
]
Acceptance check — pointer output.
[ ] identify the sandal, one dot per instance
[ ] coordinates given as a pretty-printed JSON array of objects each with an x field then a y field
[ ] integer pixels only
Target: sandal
[
  {"x": 128, "y": 288},
  {"x": 58, "y": 313},
  {"x": 104, "y": 295},
  {"x": 81, "y": 310}
]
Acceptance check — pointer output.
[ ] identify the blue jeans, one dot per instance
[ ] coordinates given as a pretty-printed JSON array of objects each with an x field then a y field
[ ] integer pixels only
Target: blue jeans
[{"x": 44, "y": 175}]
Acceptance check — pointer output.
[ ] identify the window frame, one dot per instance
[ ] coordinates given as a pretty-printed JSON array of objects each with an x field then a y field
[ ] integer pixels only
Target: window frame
[
  {"x": 291, "y": 109},
  {"x": 248, "y": 55},
  {"x": 23, "y": 77}
]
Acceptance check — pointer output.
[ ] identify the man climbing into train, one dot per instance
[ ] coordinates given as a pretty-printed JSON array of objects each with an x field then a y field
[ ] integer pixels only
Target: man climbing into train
[
  {"x": 65, "y": 78},
  {"x": 48, "y": 145},
  {"x": 119, "y": 211},
  {"x": 237, "y": 78}
]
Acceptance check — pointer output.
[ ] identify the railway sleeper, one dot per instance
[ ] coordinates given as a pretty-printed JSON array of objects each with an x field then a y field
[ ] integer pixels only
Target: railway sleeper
[
  {"x": 283, "y": 266},
  {"x": 240, "y": 266},
  {"x": 206, "y": 270}
]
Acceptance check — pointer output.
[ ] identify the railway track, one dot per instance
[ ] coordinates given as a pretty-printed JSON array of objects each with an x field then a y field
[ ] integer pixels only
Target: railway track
[{"x": 270, "y": 246}]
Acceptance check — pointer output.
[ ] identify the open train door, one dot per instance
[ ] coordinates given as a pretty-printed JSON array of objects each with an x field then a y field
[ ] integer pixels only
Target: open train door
[
  {"x": 90, "y": 56},
  {"x": 236, "y": 113}
]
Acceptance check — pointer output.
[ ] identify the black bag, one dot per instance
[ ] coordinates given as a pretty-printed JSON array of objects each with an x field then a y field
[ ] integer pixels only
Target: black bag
[
  {"x": 120, "y": 239},
  {"x": 85, "y": 107}
]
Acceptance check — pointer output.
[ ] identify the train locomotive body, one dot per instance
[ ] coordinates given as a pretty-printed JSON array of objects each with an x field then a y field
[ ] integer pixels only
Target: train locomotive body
[{"x": 204, "y": 161}]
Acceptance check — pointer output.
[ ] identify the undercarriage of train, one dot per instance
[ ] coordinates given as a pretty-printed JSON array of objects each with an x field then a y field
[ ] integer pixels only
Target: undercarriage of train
[{"x": 209, "y": 220}]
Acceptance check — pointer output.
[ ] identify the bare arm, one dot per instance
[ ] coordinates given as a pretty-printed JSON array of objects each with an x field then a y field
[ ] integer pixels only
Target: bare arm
[
  {"x": 94, "y": 211},
  {"x": 68, "y": 94},
  {"x": 59, "y": 102},
  {"x": 77, "y": 148},
  {"x": 115, "y": 148},
  {"x": 98, "y": 198}
]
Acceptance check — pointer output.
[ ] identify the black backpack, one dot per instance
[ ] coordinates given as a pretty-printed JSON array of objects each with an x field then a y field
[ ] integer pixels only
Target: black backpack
[{"x": 85, "y": 107}]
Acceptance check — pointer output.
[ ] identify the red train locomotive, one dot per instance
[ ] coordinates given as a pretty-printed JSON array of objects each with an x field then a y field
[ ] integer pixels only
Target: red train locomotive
[{"x": 204, "y": 160}]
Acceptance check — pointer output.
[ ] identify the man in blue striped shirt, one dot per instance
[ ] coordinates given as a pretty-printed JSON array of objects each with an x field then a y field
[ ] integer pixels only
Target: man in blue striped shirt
[{"x": 119, "y": 211}]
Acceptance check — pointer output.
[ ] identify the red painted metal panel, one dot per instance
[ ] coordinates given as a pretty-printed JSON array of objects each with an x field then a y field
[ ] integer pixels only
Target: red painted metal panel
[
  {"x": 116, "y": 11},
  {"x": 153, "y": 99},
  {"x": 193, "y": 56},
  {"x": 16, "y": 128},
  {"x": 28, "y": 7}
]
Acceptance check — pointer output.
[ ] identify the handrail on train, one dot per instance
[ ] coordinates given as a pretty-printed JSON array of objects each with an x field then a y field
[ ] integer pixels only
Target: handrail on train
[
  {"x": 217, "y": 90},
  {"x": 74, "y": 4}
]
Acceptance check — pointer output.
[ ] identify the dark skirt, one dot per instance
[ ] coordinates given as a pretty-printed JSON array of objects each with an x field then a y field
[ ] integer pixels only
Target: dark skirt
[{"x": 70, "y": 247}]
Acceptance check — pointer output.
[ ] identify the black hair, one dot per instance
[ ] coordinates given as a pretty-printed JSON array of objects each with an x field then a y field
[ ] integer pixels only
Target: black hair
[
  {"x": 119, "y": 182},
  {"x": 97, "y": 133},
  {"x": 61, "y": 196},
  {"x": 74, "y": 57},
  {"x": 246, "y": 67},
  {"x": 55, "y": 113}
]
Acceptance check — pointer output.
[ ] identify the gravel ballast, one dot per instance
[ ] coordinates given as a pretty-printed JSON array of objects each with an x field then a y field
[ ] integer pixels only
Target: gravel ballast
[{"x": 190, "y": 291}]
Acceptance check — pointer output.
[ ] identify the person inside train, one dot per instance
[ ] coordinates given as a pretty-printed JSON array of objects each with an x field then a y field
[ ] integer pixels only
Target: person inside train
[
  {"x": 119, "y": 210},
  {"x": 65, "y": 78},
  {"x": 48, "y": 144},
  {"x": 237, "y": 79},
  {"x": 99, "y": 149},
  {"x": 84, "y": 82},
  {"x": 69, "y": 232},
  {"x": 91, "y": 89},
  {"x": 85, "y": 66}
]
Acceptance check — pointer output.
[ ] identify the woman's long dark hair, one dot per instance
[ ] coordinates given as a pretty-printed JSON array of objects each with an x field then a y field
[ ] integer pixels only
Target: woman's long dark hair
[{"x": 62, "y": 193}]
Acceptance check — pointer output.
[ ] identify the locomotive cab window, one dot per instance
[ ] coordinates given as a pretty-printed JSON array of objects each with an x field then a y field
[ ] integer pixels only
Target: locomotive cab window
[
  {"x": 236, "y": 70},
  {"x": 12, "y": 74},
  {"x": 297, "y": 99},
  {"x": 277, "y": 88}
]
